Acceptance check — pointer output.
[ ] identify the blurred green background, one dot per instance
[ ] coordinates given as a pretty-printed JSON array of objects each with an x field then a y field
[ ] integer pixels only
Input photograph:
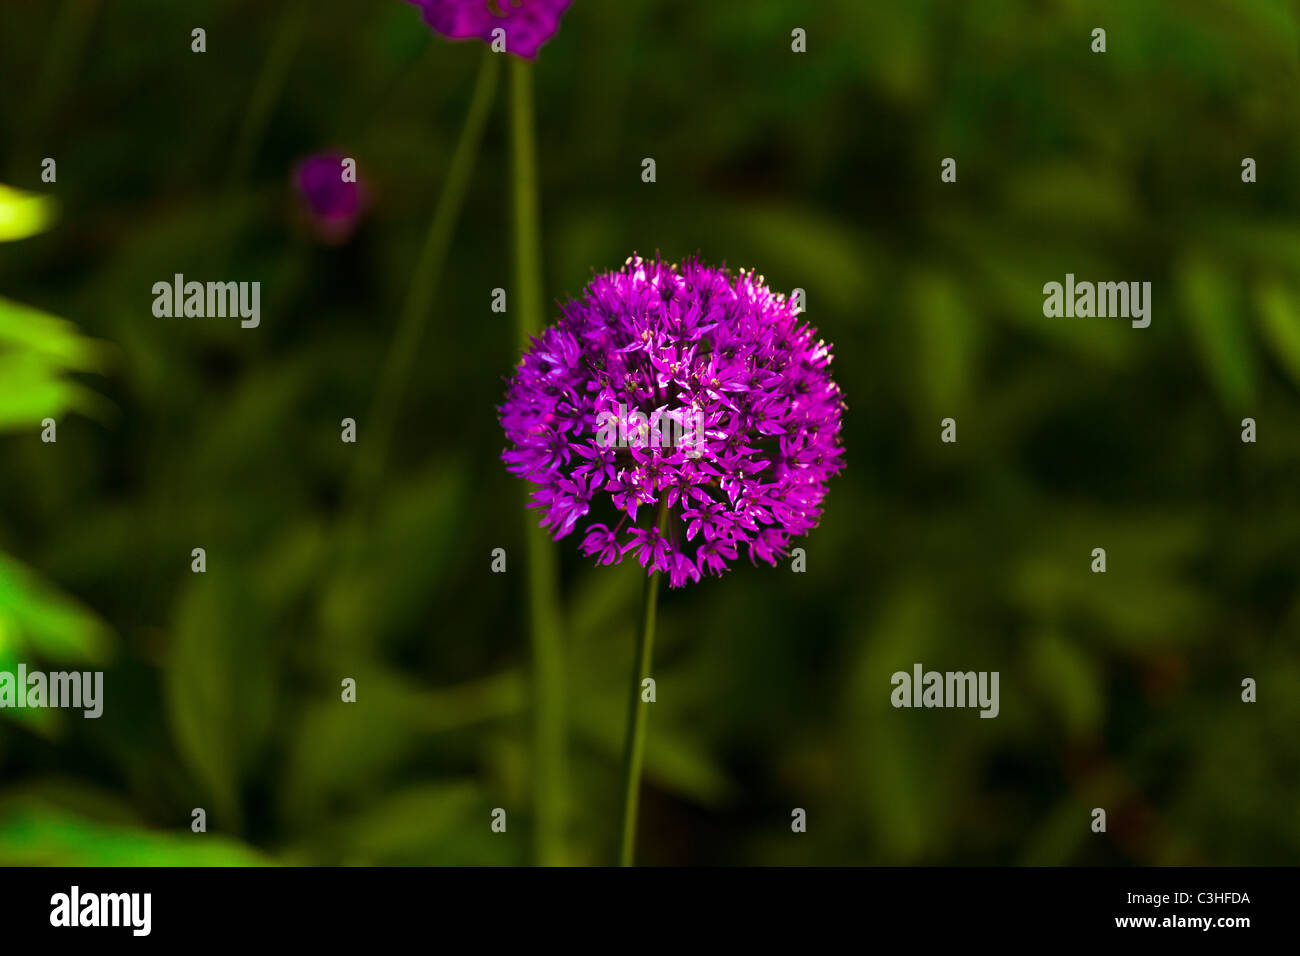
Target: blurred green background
[{"x": 821, "y": 170}]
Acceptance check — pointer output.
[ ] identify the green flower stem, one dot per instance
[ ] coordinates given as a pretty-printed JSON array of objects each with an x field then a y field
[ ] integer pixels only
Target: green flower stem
[
  {"x": 72, "y": 28},
  {"x": 252, "y": 129},
  {"x": 372, "y": 449},
  {"x": 424, "y": 282},
  {"x": 548, "y": 696},
  {"x": 634, "y": 747},
  {"x": 266, "y": 91},
  {"x": 543, "y": 589},
  {"x": 528, "y": 239}
]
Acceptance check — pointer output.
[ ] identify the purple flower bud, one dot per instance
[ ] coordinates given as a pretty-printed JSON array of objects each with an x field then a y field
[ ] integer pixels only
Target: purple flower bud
[{"x": 331, "y": 193}]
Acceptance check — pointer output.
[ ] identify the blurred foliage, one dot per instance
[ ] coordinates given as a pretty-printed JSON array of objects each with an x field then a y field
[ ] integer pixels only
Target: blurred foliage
[
  {"x": 37, "y": 353},
  {"x": 22, "y": 214},
  {"x": 822, "y": 170}
]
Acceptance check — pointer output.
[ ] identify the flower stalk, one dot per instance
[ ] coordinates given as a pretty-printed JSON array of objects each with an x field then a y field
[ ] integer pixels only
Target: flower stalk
[
  {"x": 634, "y": 746},
  {"x": 549, "y": 724},
  {"x": 424, "y": 282}
]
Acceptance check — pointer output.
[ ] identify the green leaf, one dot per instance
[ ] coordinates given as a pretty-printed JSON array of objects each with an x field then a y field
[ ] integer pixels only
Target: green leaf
[
  {"x": 23, "y": 214},
  {"x": 31, "y": 391},
  {"x": 383, "y": 590},
  {"x": 1279, "y": 318},
  {"x": 1143, "y": 600},
  {"x": 440, "y": 824},
  {"x": 1210, "y": 302},
  {"x": 1007, "y": 281},
  {"x": 946, "y": 340},
  {"x": 1071, "y": 195},
  {"x": 37, "y": 836},
  {"x": 1068, "y": 681},
  {"x": 57, "y": 341},
  {"x": 341, "y": 749},
  {"x": 35, "y": 618},
  {"x": 220, "y": 682},
  {"x": 37, "y": 351},
  {"x": 834, "y": 264}
]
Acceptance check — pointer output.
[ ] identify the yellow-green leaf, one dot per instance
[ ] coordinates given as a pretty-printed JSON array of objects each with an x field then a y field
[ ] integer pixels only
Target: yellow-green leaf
[{"x": 23, "y": 214}]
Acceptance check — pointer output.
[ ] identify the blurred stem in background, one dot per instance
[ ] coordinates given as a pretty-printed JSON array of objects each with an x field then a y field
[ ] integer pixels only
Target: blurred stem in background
[
  {"x": 543, "y": 601},
  {"x": 634, "y": 747},
  {"x": 405, "y": 343},
  {"x": 72, "y": 29},
  {"x": 252, "y": 129},
  {"x": 275, "y": 69}
]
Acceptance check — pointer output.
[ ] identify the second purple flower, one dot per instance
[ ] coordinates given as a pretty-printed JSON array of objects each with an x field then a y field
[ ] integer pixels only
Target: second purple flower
[{"x": 525, "y": 24}]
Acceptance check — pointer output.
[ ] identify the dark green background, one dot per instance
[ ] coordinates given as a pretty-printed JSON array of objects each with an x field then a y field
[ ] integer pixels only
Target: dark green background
[{"x": 822, "y": 171}]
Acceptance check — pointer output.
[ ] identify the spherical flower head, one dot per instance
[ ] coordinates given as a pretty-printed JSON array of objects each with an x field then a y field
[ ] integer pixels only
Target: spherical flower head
[
  {"x": 527, "y": 23},
  {"x": 332, "y": 201},
  {"x": 688, "y": 414}
]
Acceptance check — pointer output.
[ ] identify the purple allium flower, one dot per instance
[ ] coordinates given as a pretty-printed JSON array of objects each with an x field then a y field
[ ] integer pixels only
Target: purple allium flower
[
  {"x": 655, "y": 343},
  {"x": 333, "y": 205},
  {"x": 527, "y": 23}
]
